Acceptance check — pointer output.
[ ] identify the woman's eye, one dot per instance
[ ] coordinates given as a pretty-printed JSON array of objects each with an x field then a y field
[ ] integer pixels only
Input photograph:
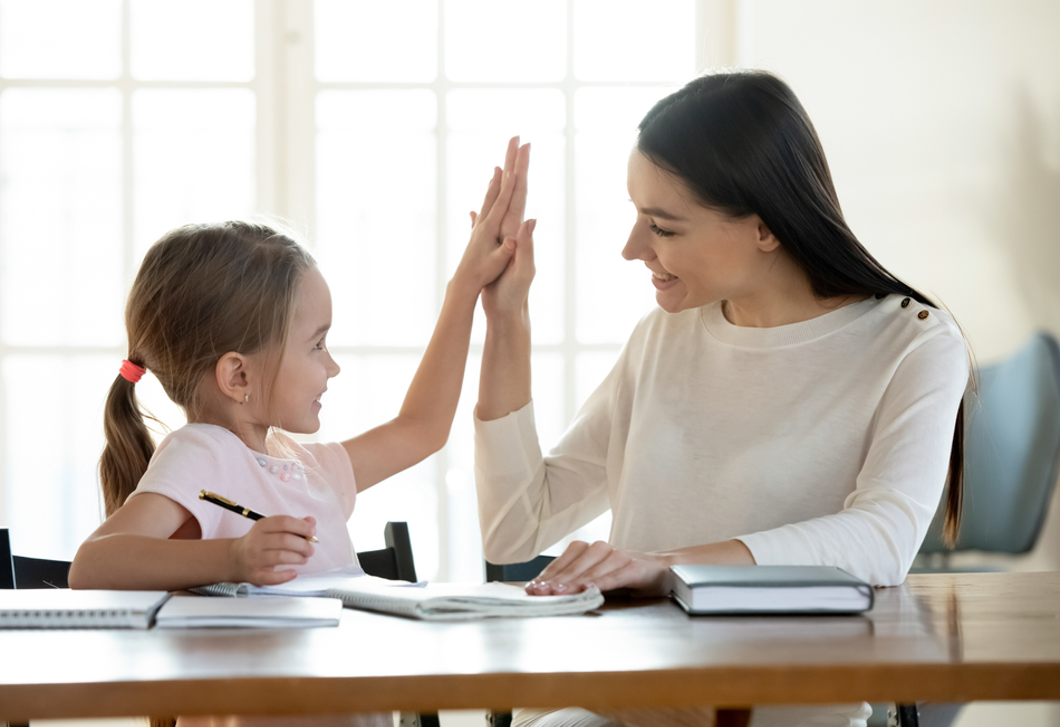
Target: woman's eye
[
  {"x": 659, "y": 231},
  {"x": 320, "y": 345}
]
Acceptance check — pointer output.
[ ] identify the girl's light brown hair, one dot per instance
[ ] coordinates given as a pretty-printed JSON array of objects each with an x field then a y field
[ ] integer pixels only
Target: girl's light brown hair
[{"x": 202, "y": 291}]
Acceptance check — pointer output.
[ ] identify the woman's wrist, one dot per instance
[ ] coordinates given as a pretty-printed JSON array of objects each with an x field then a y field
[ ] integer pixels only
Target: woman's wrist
[
  {"x": 726, "y": 552},
  {"x": 508, "y": 320}
]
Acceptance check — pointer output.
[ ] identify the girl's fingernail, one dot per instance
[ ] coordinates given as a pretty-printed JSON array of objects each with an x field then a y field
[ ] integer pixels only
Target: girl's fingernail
[{"x": 560, "y": 587}]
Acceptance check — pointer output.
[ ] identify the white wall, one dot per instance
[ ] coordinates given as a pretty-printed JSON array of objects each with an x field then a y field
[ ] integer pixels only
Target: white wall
[{"x": 941, "y": 121}]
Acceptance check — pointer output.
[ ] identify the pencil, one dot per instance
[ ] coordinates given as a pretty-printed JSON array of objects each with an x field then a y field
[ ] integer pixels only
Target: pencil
[{"x": 238, "y": 509}]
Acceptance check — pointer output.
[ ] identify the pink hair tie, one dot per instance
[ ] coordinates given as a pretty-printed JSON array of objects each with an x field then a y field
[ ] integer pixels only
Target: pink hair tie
[{"x": 130, "y": 371}]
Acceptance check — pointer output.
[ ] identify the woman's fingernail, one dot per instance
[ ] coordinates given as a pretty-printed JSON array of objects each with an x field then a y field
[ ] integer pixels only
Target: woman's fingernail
[{"x": 559, "y": 587}]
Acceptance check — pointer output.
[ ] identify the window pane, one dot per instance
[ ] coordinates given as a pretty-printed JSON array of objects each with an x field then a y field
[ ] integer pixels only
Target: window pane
[
  {"x": 376, "y": 199},
  {"x": 608, "y": 34},
  {"x": 480, "y": 124},
  {"x": 193, "y": 158},
  {"x": 367, "y": 392},
  {"x": 487, "y": 40},
  {"x": 349, "y": 46},
  {"x": 60, "y": 38},
  {"x": 613, "y": 293},
  {"x": 193, "y": 40},
  {"x": 54, "y": 438},
  {"x": 60, "y": 217},
  {"x": 465, "y": 539}
]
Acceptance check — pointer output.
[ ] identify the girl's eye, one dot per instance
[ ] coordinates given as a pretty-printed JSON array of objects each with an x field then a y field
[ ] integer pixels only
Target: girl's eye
[
  {"x": 320, "y": 345},
  {"x": 659, "y": 231}
]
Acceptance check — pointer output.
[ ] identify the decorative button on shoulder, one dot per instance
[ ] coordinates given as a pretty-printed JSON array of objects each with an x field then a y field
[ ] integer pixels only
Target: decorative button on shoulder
[
  {"x": 922, "y": 315},
  {"x": 905, "y": 302}
]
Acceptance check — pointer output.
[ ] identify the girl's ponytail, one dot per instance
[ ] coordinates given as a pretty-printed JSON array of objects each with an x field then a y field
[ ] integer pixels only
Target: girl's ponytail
[{"x": 129, "y": 444}]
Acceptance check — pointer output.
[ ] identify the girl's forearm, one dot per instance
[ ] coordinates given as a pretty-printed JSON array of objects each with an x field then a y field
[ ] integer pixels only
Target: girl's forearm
[
  {"x": 125, "y": 561},
  {"x": 434, "y": 393},
  {"x": 504, "y": 384}
]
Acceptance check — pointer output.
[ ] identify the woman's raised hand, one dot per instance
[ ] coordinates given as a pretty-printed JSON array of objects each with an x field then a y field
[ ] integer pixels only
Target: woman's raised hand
[
  {"x": 609, "y": 568},
  {"x": 259, "y": 556},
  {"x": 495, "y": 228}
]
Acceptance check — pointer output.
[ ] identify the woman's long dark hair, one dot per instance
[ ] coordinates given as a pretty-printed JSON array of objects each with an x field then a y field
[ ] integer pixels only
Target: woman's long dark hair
[{"x": 743, "y": 144}]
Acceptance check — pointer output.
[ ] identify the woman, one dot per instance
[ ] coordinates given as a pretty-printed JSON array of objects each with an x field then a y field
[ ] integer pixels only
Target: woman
[{"x": 790, "y": 402}]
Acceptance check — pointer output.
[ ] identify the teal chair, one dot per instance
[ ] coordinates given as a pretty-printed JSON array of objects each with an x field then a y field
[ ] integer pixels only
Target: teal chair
[{"x": 1012, "y": 454}]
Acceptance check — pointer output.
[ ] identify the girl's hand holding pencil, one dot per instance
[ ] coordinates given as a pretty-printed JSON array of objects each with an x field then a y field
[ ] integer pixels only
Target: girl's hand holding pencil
[
  {"x": 273, "y": 542},
  {"x": 264, "y": 548}
]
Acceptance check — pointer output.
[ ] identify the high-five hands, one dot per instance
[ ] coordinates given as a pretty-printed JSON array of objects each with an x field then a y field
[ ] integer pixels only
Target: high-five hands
[
  {"x": 498, "y": 226},
  {"x": 507, "y": 295}
]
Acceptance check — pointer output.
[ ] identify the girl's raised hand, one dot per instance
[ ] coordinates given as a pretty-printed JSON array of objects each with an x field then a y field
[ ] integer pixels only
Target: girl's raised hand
[
  {"x": 516, "y": 161},
  {"x": 273, "y": 542}
]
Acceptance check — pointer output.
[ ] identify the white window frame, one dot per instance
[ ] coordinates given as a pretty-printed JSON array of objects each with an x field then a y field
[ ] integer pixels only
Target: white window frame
[{"x": 285, "y": 90}]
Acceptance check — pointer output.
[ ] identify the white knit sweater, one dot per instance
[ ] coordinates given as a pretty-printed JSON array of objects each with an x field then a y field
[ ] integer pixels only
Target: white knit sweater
[{"x": 821, "y": 442}]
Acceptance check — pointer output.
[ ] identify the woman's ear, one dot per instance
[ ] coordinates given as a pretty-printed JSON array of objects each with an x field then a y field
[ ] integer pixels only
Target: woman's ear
[
  {"x": 767, "y": 241},
  {"x": 233, "y": 377}
]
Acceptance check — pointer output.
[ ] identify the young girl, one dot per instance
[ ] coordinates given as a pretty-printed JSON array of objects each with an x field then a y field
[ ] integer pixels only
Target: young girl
[
  {"x": 790, "y": 401},
  {"x": 233, "y": 319}
]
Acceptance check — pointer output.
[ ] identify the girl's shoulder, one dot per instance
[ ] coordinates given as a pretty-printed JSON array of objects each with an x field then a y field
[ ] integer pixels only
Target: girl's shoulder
[{"x": 199, "y": 437}]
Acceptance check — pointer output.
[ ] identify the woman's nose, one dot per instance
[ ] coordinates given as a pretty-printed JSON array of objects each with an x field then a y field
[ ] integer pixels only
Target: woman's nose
[{"x": 636, "y": 247}]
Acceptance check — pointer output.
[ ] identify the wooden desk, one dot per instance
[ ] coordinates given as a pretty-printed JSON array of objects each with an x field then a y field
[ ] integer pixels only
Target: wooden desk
[{"x": 952, "y": 637}]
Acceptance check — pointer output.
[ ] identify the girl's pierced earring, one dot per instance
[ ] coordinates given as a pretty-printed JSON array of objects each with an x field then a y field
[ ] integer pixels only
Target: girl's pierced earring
[{"x": 246, "y": 399}]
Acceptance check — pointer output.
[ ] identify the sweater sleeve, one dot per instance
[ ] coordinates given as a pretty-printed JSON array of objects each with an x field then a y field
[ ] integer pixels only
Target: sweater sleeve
[
  {"x": 528, "y": 502},
  {"x": 885, "y": 519}
]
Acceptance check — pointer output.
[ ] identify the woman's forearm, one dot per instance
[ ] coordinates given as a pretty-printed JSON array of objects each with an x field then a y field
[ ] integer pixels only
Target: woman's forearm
[
  {"x": 726, "y": 552},
  {"x": 504, "y": 383}
]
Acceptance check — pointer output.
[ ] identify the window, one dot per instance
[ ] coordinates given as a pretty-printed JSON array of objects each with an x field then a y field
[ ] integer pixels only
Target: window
[{"x": 371, "y": 128}]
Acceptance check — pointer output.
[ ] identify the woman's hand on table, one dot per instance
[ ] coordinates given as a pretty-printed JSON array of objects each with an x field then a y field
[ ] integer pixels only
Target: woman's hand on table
[
  {"x": 638, "y": 574},
  {"x": 608, "y": 568}
]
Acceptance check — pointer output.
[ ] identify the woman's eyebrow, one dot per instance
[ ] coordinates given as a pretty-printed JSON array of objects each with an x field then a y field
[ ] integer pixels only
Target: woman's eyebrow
[{"x": 661, "y": 214}]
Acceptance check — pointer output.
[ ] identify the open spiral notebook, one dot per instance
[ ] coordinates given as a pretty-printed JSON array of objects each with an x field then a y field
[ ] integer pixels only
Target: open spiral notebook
[{"x": 423, "y": 600}]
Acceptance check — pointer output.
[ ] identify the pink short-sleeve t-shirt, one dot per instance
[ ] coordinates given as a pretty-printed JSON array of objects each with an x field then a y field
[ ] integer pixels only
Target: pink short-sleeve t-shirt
[{"x": 309, "y": 479}]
